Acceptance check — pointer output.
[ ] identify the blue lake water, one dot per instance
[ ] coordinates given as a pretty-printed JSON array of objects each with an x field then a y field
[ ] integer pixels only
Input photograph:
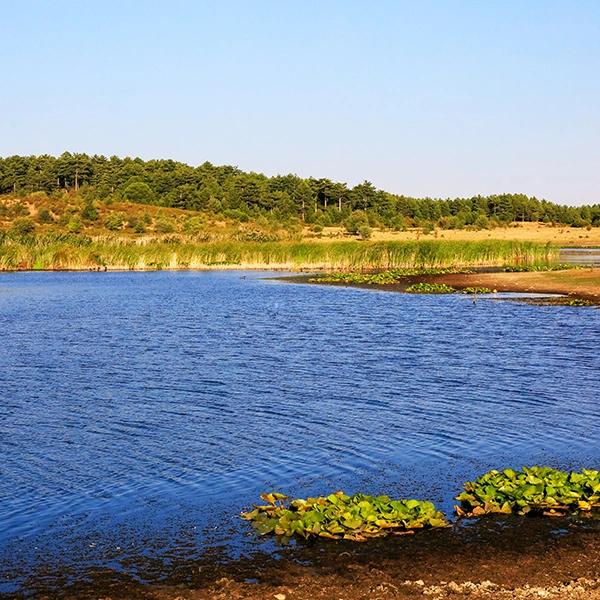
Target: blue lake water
[{"x": 140, "y": 412}]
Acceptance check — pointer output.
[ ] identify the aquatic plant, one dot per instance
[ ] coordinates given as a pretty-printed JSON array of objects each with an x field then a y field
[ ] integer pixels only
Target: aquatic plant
[
  {"x": 76, "y": 251},
  {"x": 477, "y": 290},
  {"x": 385, "y": 277},
  {"x": 531, "y": 490},
  {"x": 430, "y": 288},
  {"x": 527, "y": 268},
  {"x": 576, "y": 302},
  {"x": 339, "y": 516}
]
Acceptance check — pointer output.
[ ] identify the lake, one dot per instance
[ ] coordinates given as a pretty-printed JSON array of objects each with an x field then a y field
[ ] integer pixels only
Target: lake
[
  {"x": 141, "y": 412},
  {"x": 584, "y": 257}
]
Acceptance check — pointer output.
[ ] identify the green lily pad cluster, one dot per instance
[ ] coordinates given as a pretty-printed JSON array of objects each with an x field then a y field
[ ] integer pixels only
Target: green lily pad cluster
[
  {"x": 339, "y": 516},
  {"x": 385, "y": 277},
  {"x": 531, "y": 490},
  {"x": 577, "y": 302},
  {"x": 538, "y": 268},
  {"x": 477, "y": 290},
  {"x": 430, "y": 288}
]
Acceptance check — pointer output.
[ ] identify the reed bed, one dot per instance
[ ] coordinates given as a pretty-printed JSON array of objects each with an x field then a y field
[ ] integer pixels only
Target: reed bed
[{"x": 75, "y": 252}]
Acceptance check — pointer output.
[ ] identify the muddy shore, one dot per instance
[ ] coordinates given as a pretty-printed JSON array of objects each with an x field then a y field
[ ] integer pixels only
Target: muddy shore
[{"x": 495, "y": 558}]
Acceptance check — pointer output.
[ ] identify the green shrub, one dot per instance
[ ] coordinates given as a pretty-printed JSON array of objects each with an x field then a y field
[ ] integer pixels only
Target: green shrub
[
  {"x": 114, "y": 221},
  {"x": 356, "y": 221},
  {"x": 339, "y": 516},
  {"x": 193, "y": 225},
  {"x": 137, "y": 224},
  {"x": 236, "y": 215},
  {"x": 482, "y": 222},
  {"x": 365, "y": 232},
  {"x": 44, "y": 216},
  {"x": 90, "y": 212},
  {"x": 164, "y": 225},
  {"x": 22, "y": 226},
  {"x": 19, "y": 210},
  {"x": 139, "y": 191},
  {"x": 74, "y": 225}
]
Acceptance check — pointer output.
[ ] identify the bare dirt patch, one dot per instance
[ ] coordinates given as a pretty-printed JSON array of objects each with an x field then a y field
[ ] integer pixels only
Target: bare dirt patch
[{"x": 583, "y": 283}]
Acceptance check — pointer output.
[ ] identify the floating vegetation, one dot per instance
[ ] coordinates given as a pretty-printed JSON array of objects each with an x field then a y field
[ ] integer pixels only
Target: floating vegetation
[
  {"x": 576, "y": 302},
  {"x": 477, "y": 290},
  {"x": 533, "y": 490},
  {"x": 528, "y": 268},
  {"x": 430, "y": 288},
  {"x": 552, "y": 301},
  {"x": 339, "y": 516},
  {"x": 385, "y": 277}
]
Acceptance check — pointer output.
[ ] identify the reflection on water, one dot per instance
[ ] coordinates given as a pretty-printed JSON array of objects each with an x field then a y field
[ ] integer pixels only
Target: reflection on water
[
  {"x": 580, "y": 256},
  {"x": 140, "y": 412}
]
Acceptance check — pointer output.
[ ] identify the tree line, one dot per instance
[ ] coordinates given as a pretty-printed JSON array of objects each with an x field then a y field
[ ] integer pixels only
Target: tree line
[{"x": 237, "y": 194}]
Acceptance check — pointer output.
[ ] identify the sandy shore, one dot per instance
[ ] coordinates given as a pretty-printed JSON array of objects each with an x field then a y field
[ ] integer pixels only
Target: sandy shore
[
  {"x": 582, "y": 283},
  {"x": 579, "y": 283}
]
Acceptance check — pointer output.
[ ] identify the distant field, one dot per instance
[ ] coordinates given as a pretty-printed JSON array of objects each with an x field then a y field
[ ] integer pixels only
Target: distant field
[{"x": 534, "y": 232}]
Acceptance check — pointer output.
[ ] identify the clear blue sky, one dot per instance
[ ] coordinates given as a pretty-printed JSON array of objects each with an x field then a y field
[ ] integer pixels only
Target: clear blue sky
[{"x": 422, "y": 97}]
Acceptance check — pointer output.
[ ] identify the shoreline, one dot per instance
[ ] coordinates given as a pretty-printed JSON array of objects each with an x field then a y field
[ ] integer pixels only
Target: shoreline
[
  {"x": 487, "y": 558},
  {"x": 581, "y": 283}
]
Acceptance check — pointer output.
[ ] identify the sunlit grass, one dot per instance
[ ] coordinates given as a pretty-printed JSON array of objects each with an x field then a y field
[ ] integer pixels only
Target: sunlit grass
[{"x": 69, "y": 251}]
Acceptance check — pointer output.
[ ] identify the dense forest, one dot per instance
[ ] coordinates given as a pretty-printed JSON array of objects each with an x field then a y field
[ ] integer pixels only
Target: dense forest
[{"x": 239, "y": 195}]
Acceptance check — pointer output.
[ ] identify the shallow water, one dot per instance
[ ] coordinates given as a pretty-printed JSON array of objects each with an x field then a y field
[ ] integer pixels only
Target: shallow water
[
  {"x": 586, "y": 257},
  {"x": 140, "y": 412}
]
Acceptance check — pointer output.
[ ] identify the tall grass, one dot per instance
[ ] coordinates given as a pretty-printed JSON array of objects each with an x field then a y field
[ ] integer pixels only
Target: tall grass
[{"x": 52, "y": 252}]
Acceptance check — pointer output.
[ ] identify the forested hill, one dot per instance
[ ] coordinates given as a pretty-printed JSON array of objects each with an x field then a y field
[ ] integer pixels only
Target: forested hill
[{"x": 230, "y": 191}]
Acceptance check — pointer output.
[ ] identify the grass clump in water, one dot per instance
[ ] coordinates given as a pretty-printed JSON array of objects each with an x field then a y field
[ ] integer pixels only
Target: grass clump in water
[
  {"x": 577, "y": 302},
  {"x": 477, "y": 290},
  {"x": 535, "y": 268},
  {"x": 385, "y": 277},
  {"x": 339, "y": 516},
  {"x": 533, "y": 490},
  {"x": 430, "y": 288}
]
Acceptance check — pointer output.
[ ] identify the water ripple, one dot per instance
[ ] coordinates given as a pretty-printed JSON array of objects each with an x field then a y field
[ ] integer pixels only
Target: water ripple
[{"x": 136, "y": 404}]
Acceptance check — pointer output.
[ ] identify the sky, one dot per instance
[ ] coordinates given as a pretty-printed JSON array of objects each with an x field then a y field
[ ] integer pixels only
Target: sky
[{"x": 432, "y": 98}]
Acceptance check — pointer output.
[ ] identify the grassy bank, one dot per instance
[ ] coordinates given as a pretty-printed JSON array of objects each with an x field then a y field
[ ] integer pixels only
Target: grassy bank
[{"x": 75, "y": 252}]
